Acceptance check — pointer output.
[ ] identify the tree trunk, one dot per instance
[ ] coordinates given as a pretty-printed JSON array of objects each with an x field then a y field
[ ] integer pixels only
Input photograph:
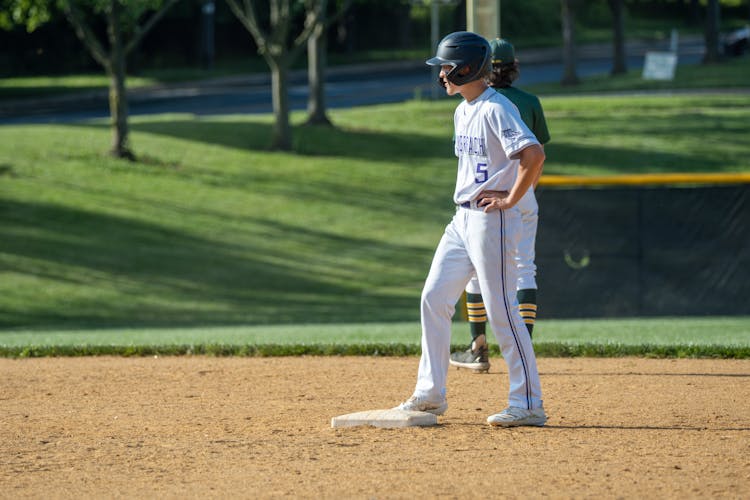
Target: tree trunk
[
  {"x": 281, "y": 136},
  {"x": 118, "y": 103},
  {"x": 118, "y": 108},
  {"x": 619, "y": 63},
  {"x": 276, "y": 51},
  {"x": 712, "y": 32},
  {"x": 316, "y": 68},
  {"x": 570, "y": 76},
  {"x": 113, "y": 60}
]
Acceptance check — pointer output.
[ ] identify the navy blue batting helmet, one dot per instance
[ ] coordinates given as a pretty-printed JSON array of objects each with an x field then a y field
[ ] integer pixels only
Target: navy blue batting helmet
[{"x": 463, "y": 49}]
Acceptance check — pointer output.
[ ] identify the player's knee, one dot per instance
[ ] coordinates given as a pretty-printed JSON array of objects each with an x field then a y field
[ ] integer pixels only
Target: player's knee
[{"x": 434, "y": 298}]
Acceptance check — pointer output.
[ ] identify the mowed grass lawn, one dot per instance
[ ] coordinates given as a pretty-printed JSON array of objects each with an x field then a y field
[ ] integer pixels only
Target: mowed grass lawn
[
  {"x": 210, "y": 228},
  {"x": 718, "y": 337}
]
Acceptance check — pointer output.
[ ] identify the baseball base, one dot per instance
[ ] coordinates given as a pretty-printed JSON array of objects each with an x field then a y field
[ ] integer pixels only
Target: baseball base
[{"x": 388, "y": 419}]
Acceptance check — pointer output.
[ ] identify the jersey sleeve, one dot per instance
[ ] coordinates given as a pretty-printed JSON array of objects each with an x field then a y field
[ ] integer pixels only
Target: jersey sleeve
[{"x": 514, "y": 135}]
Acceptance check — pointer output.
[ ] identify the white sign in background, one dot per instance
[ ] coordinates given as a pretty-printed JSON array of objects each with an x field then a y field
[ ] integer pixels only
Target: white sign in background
[{"x": 659, "y": 66}]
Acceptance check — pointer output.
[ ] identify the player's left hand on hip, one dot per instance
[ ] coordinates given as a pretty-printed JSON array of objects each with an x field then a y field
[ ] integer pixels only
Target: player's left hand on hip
[{"x": 493, "y": 200}]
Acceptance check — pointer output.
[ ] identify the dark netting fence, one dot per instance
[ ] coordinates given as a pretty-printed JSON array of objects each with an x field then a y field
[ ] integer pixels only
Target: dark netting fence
[{"x": 643, "y": 251}]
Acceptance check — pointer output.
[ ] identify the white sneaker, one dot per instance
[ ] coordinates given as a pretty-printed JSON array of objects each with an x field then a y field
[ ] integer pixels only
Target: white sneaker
[
  {"x": 416, "y": 403},
  {"x": 513, "y": 416}
]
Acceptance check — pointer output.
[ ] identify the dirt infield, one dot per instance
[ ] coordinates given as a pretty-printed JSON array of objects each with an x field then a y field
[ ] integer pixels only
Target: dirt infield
[{"x": 260, "y": 427}]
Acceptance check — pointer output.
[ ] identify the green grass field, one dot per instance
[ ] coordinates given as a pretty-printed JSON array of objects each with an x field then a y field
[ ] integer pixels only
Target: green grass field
[
  {"x": 673, "y": 337},
  {"x": 210, "y": 228},
  {"x": 210, "y": 235}
]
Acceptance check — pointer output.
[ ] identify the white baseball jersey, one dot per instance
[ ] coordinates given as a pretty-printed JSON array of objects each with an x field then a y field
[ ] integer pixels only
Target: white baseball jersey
[{"x": 489, "y": 134}]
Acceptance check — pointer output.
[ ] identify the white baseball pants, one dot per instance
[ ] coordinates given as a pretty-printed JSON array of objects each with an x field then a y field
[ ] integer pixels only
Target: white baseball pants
[
  {"x": 526, "y": 255},
  {"x": 485, "y": 244}
]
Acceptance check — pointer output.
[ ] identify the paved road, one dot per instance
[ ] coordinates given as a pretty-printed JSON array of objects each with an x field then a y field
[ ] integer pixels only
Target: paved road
[{"x": 347, "y": 87}]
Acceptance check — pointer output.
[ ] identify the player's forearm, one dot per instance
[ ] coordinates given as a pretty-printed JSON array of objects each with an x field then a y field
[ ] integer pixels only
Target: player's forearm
[
  {"x": 531, "y": 161},
  {"x": 539, "y": 173},
  {"x": 529, "y": 171}
]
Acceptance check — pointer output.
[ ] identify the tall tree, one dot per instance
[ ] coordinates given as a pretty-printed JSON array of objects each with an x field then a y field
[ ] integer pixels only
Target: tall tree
[
  {"x": 619, "y": 64},
  {"x": 279, "y": 54},
  {"x": 570, "y": 75},
  {"x": 316, "y": 67},
  {"x": 713, "y": 21},
  {"x": 125, "y": 30}
]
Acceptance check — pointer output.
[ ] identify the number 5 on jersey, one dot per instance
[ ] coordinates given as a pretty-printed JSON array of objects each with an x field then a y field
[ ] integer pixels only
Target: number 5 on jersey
[{"x": 482, "y": 174}]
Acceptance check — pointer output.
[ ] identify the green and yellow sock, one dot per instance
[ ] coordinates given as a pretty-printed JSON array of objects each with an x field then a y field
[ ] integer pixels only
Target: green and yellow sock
[
  {"x": 477, "y": 315},
  {"x": 527, "y": 307}
]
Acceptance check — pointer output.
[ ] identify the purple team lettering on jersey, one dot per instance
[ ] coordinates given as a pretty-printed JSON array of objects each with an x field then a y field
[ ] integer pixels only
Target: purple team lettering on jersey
[{"x": 470, "y": 145}]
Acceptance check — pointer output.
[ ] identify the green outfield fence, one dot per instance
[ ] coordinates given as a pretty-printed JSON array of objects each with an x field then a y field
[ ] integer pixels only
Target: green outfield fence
[{"x": 644, "y": 245}]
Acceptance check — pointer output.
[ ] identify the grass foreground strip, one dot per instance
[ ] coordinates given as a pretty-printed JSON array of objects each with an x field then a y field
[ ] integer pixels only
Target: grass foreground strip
[
  {"x": 666, "y": 337},
  {"x": 542, "y": 349}
]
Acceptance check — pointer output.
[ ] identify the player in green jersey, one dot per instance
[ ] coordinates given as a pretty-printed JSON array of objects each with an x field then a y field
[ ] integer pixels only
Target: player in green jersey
[{"x": 504, "y": 72}]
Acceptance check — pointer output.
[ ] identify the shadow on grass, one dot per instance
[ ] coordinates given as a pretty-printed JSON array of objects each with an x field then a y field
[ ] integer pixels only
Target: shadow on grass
[
  {"x": 163, "y": 277},
  {"x": 597, "y": 160},
  {"x": 381, "y": 146},
  {"x": 427, "y": 198},
  {"x": 623, "y": 160},
  {"x": 307, "y": 140},
  {"x": 630, "y": 160}
]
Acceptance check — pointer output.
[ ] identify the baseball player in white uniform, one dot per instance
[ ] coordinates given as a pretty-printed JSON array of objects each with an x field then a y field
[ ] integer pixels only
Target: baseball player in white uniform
[
  {"x": 505, "y": 71},
  {"x": 498, "y": 160}
]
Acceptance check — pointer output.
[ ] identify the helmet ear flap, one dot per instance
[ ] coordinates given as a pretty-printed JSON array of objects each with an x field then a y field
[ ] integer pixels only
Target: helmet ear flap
[
  {"x": 458, "y": 74},
  {"x": 474, "y": 70}
]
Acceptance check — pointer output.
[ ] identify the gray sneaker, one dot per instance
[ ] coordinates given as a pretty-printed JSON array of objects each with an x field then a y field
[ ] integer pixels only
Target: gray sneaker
[
  {"x": 416, "y": 403},
  {"x": 475, "y": 359},
  {"x": 514, "y": 416}
]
